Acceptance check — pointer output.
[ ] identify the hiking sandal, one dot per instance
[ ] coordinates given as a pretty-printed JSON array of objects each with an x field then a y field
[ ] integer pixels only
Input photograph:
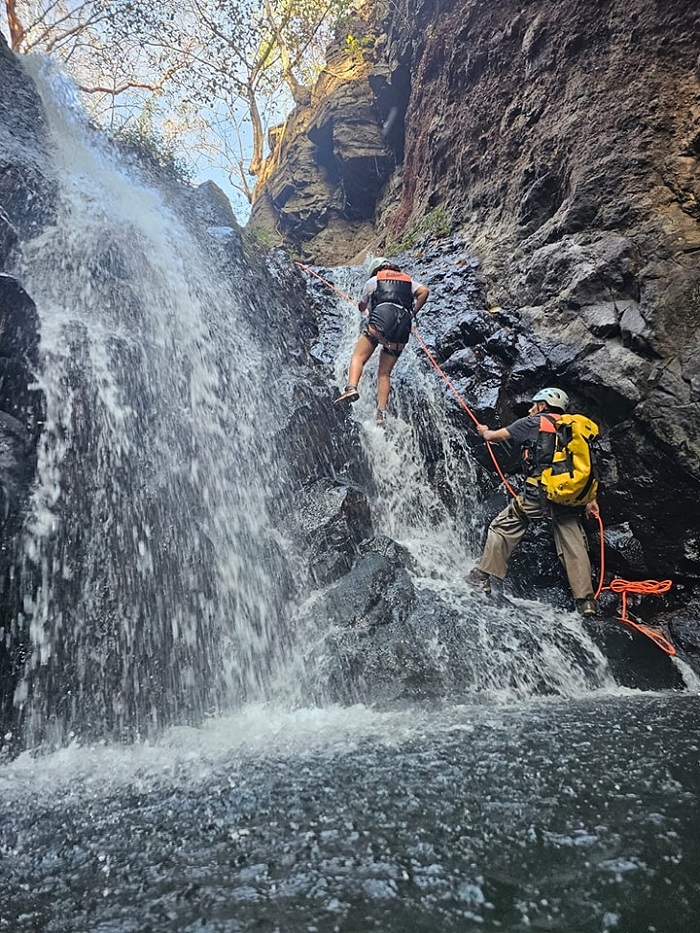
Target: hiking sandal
[{"x": 350, "y": 394}]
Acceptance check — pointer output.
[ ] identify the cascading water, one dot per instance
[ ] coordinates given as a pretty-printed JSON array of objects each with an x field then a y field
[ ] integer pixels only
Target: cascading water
[
  {"x": 516, "y": 650},
  {"x": 154, "y": 579},
  {"x": 157, "y": 586}
]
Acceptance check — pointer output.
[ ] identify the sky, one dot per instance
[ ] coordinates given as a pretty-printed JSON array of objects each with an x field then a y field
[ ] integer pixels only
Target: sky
[{"x": 204, "y": 165}]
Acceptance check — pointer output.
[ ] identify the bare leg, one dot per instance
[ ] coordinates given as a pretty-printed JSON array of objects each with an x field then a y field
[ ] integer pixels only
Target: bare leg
[
  {"x": 386, "y": 364},
  {"x": 364, "y": 348}
]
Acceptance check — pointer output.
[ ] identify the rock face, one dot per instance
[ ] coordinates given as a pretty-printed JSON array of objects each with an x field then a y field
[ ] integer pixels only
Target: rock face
[
  {"x": 563, "y": 142},
  {"x": 496, "y": 359},
  {"x": 335, "y": 156},
  {"x": 522, "y": 125},
  {"x": 21, "y": 403}
]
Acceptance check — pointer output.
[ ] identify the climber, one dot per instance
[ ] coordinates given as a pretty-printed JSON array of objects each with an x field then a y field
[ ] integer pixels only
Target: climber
[
  {"x": 508, "y": 527},
  {"x": 390, "y": 300}
]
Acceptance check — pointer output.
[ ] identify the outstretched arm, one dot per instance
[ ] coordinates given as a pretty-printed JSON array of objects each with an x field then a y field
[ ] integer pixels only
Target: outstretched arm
[
  {"x": 500, "y": 434},
  {"x": 420, "y": 297}
]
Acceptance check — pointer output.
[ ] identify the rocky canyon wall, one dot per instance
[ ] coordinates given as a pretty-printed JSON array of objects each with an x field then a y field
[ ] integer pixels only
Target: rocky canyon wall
[{"x": 559, "y": 143}]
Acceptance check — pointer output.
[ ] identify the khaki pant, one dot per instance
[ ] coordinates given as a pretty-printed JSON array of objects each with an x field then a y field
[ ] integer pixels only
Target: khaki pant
[{"x": 506, "y": 532}]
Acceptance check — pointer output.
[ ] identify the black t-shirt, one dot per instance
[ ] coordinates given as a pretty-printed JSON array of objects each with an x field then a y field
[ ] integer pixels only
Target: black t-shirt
[{"x": 525, "y": 430}]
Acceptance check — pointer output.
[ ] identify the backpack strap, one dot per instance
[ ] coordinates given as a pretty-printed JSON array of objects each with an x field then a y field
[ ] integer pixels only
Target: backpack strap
[
  {"x": 533, "y": 452},
  {"x": 550, "y": 420}
]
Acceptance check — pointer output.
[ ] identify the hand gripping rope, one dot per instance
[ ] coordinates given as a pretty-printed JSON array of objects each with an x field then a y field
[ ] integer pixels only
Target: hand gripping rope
[{"x": 623, "y": 587}]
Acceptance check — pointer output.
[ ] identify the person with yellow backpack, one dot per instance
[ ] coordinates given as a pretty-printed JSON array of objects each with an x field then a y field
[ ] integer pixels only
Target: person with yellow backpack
[{"x": 560, "y": 484}]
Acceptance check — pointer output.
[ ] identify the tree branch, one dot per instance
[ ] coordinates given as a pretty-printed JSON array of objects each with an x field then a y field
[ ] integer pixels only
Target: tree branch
[{"x": 114, "y": 91}]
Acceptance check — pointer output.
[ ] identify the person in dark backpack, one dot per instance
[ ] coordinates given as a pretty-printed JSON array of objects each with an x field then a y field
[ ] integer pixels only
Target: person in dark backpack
[
  {"x": 532, "y": 435},
  {"x": 390, "y": 300}
]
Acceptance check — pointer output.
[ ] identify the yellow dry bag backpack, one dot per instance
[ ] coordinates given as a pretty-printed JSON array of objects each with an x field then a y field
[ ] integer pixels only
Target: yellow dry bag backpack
[{"x": 571, "y": 478}]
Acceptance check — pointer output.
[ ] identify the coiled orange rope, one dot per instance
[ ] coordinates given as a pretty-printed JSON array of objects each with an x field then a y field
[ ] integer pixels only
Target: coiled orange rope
[
  {"x": 639, "y": 588},
  {"x": 623, "y": 587}
]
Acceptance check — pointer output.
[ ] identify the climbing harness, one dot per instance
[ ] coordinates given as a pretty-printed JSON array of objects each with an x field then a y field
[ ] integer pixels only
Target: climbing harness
[{"x": 617, "y": 585}]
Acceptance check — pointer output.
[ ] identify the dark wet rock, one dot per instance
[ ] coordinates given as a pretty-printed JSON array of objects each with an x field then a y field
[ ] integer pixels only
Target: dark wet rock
[
  {"x": 8, "y": 236},
  {"x": 378, "y": 591},
  {"x": 21, "y": 420},
  {"x": 473, "y": 327},
  {"x": 19, "y": 325},
  {"x": 26, "y": 199},
  {"x": 25, "y": 194},
  {"x": 603, "y": 320},
  {"x": 334, "y": 519},
  {"x": 578, "y": 197},
  {"x": 214, "y": 209},
  {"x": 19, "y": 347},
  {"x": 17, "y": 460},
  {"x": 634, "y": 660},
  {"x": 22, "y": 120},
  {"x": 394, "y": 552},
  {"x": 402, "y": 645},
  {"x": 621, "y": 543},
  {"x": 684, "y": 625}
]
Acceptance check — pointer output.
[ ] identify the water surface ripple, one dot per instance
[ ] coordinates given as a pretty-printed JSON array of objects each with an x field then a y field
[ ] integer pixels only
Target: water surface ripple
[{"x": 553, "y": 815}]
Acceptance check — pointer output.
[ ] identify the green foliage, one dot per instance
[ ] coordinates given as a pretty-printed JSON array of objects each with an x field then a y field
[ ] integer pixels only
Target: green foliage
[
  {"x": 357, "y": 48},
  {"x": 435, "y": 224},
  {"x": 148, "y": 142},
  {"x": 237, "y": 65},
  {"x": 259, "y": 235}
]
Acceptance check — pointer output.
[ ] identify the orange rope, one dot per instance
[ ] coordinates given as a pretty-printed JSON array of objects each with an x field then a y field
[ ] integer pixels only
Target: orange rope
[
  {"x": 641, "y": 588},
  {"x": 437, "y": 367},
  {"x": 623, "y": 587},
  {"x": 644, "y": 588},
  {"x": 325, "y": 282},
  {"x": 464, "y": 406}
]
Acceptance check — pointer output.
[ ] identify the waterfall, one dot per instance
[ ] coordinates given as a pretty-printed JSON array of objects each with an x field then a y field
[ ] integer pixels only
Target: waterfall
[
  {"x": 154, "y": 578},
  {"x": 504, "y": 651}
]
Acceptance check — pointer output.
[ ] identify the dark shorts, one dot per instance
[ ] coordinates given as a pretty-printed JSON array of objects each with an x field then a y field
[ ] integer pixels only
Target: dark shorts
[{"x": 389, "y": 325}]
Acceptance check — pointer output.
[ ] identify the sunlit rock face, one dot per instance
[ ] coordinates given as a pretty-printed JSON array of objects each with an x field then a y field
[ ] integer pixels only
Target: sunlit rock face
[
  {"x": 539, "y": 123},
  {"x": 336, "y": 156}
]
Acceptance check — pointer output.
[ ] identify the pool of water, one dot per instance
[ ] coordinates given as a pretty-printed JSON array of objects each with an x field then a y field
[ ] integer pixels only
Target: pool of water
[{"x": 550, "y": 815}]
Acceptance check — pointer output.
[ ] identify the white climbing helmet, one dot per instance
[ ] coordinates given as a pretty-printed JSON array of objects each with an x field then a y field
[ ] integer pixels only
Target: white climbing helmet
[
  {"x": 377, "y": 264},
  {"x": 555, "y": 398}
]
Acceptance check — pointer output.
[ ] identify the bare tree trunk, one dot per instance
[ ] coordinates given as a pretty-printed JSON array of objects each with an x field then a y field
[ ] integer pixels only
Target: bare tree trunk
[
  {"x": 16, "y": 28},
  {"x": 300, "y": 93},
  {"x": 258, "y": 135}
]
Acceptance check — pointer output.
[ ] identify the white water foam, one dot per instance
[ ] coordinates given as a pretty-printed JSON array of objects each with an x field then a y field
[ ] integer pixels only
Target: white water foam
[{"x": 152, "y": 582}]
